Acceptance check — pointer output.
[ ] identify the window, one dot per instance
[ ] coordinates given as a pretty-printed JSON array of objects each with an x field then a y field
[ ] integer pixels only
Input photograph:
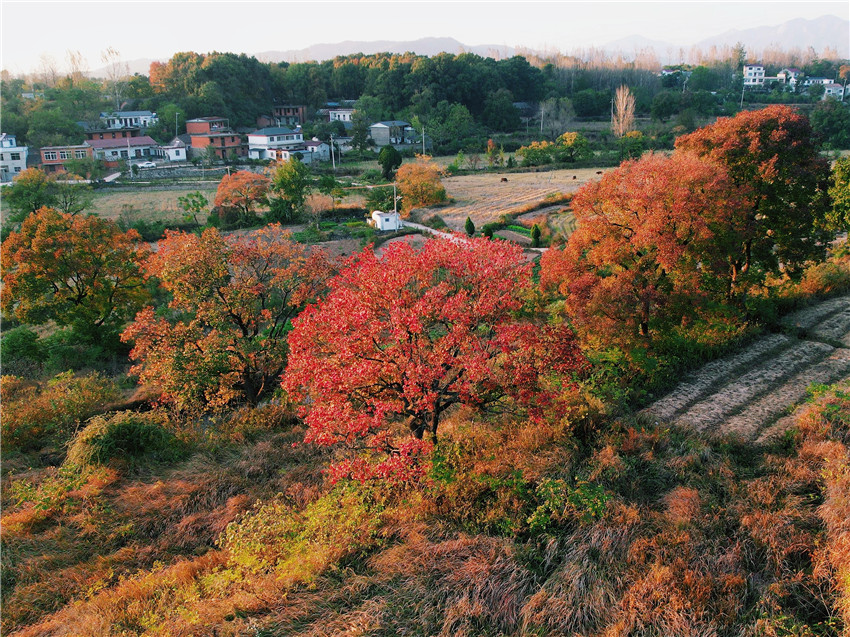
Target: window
[
  {"x": 124, "y": 154},
  {"x": 17, "y": 169},
  {"x": 15, "y": 156},
  {"x": 80, "y": 154},
  {"x": 49, "y": 155},
  {"x": 64, "y": 154}
]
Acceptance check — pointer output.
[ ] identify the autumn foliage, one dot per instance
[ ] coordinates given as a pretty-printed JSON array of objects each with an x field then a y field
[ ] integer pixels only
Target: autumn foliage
[
  {"x": 419, "y": 184},
  {"x": 649, "y": 244},
  {"x": 240, "y": 193},
  {"x": 224, "y": 336},
  {"x": 773, "y": 154},
  {"x": 79, "y": 271},
  {"x": 399, "y": 340}
]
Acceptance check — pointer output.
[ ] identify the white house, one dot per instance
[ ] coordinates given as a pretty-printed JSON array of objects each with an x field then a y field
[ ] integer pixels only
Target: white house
[
  {"x": 175, "y": 150},
  {"x": 114, "y": 150},
  {"x": 833, "y": 90},
  {"x": 13, "y": 158},
  {"x": 753, "y": 75},
  {"x": 129, "y": 119},
  {"x": 790, "y": 76},
  {"x": 274, "y": 143},
  {"x": 385, "y": 221},
  {"x": 319, "y": 151},
  {"x": 340, "y": 114}
]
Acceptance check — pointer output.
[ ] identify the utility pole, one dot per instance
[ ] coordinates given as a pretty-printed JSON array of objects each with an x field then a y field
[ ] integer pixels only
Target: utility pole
[
  {"x": 175, "y": 124},
  {"x": 333, "y": 161},
  {"x": 423, "y": 134}
]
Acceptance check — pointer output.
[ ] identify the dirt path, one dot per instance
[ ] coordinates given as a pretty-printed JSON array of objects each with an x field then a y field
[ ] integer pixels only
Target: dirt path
[{"x": 752, "y": 392}]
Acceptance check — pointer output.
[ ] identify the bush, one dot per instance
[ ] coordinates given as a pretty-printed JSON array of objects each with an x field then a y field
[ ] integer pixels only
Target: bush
[
  {"x": 23, "y": 353},
  {"x": 123, "y": 436},
  {"x": 34, "y": 417}
]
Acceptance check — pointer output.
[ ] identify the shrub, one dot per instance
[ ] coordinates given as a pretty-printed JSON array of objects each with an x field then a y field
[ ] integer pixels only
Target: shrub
[
  {"x": 123, "y": 436},
  {"x": 34, "y": 417},
  {"x": 23, "y": 353}
]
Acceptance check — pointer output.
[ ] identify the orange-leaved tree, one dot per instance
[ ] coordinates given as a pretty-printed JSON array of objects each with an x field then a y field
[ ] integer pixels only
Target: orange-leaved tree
[
  {"x": 651, "y": 236},
  {"x": 401, "y": 339},
  {"x": 772, "y": 153},
  {"x": 224, "y": 336},
  {"x": 419, "y": 184},
  {"x": 239, "y": 194},
  {"x": 79, "y": 271}
]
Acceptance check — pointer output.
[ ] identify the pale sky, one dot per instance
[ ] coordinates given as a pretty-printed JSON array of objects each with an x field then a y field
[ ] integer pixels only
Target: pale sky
[{"x": 157, "y": 29}]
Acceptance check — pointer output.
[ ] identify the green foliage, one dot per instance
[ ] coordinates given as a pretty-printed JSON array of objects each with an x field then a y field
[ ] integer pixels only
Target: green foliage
[
  {"x": 469, "y": 227},
  {"x": 23, "y": 353},
  {"x": 839, "y": 192},
  {"x": 290, "y": 185},
  {"x": 831, "y": 122},
  {"x": 389, "y": 159},
  {"x": 276, "y": 537},
  {"x": 560, "y": 501},
  {"x": 194, "y": 206},
  {"x": 380, "y": 198},
  {"x": 535, "y": 236},
  {"x": 125, "y": 437}
]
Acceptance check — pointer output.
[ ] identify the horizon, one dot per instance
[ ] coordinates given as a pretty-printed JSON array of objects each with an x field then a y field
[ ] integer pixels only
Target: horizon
[{"x": 570, "y": 26}]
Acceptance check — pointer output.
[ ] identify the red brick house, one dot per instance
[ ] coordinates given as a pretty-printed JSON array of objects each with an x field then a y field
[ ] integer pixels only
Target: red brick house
[
  {"x": 215, "y": 132},
  {"x": 53, "y": 158}
]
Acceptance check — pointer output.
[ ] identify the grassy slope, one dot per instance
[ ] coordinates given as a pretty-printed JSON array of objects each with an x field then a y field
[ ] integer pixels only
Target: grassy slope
[{"x": 641, "y": 530}]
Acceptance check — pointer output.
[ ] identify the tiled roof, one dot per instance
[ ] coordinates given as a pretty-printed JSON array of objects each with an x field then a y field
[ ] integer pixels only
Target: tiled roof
[{"x": 122, "y": 142}]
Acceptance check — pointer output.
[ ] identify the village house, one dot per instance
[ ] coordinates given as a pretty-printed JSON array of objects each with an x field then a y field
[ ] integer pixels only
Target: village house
[
  {"x": 385, "y": 221},
  {"x": 392, "y": 132},
  {"x": 113, "y": 151},
  {"x": 753, "y": 75},
  {"x": 215, "y": 132},
  {"x": 13, "y": 158},
  {"x": 129, "y": 119},
  {"x": 176, "y": 150},
  {"x": 53, "y": 158},
  {"x": 264, "y": 143}
]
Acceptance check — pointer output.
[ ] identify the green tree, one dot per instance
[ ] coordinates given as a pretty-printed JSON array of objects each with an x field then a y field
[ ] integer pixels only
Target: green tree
[
  {"x": 194, "y": 206},
  {"x": 469, "y": 227},
  {"x": 535, "y": 236},
  {"x": 31, "y": 190},
  {"x": 389, "y": 159},
  {"x": 290, "y": 185},
  {"x": 360, "y": 140},
  {"x": 71, "y": 193},
  {"x": 831, "y": 121},
  {"x": 839, "y": 192}
]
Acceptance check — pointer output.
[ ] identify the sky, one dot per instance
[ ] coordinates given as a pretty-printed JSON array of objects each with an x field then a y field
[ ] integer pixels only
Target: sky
[{"x": 32, "y": 29}]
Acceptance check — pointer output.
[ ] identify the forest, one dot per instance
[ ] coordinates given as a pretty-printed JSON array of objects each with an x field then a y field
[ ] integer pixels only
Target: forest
[
  {"x": 461, "y": 100},
  {"x": 237, "y": 433}
]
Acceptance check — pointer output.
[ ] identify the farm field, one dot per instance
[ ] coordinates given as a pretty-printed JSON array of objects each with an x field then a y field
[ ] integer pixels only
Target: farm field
[
  {"x": 484, "y": 198},
  {"x": 148, "y": 204}
]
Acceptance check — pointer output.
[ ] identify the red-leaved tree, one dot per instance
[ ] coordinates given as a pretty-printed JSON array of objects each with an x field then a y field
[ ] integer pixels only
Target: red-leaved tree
[
  {"x": 653, "y": 237},
  {"x": 401, "y": 339},
  {"x": 239, "y": 195},
  {"x": 224, "y": 337}
]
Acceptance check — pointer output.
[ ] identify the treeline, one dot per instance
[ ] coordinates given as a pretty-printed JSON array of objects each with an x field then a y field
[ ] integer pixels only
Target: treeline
[{"x": 453, "y": 96}]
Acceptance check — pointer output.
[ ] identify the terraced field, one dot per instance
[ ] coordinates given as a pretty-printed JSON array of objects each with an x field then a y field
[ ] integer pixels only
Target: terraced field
[{"x": 751, "y": 393}]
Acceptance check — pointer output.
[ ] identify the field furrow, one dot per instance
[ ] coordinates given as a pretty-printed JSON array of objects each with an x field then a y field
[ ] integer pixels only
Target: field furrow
[
  {"x": 741, "y": 391},
  {"x": 712, "y": 375},
  {"x": 836, "y": 328},
  {"x": 751, "y": 420},
  {"x": 812, "y": 316}
]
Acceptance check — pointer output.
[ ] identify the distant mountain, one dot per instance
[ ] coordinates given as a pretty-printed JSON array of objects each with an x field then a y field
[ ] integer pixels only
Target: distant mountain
[
  {"x": 423, "y": 46},
  {"x": 826, "y": 31},
  {"x": 819, "y": 33}
]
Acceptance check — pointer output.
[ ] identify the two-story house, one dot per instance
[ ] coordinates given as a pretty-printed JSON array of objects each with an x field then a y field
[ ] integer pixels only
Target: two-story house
[
  {"x": 287, "y": 115},
  {"x": 391, "y": 132},
  {"x": 13, "y": 158},
  {"x": 53, "y": 158},
  {"x": 127, "y": 148},
  {"x": 269, "y": 143},
  {"x": 215, "y": 132},
  {"x": 129, "y": 119}
]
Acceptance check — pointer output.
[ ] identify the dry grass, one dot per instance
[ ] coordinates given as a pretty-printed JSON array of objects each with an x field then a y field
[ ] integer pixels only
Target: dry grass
[
  {"x": 484, "y": 198},
  {"x": 147, "y": 204}
]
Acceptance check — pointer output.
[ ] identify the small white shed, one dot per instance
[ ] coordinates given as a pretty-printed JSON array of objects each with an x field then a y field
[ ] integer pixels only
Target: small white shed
[{"x": 386, "y": 220}]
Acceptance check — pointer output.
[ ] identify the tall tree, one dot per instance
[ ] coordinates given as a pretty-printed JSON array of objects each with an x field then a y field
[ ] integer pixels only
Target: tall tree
[
  {"x": 224, "y": 337},
  {"x": 30, "y": 191},
  {"x": 401, "y": 339},
  {"x": 78, "y": 271},
  {"x": 650, "y": 242},
  {"x": 623, "y": 114},
  {"x": 389, "y": 159},
  {"x": 772, "y": 153},
  {"x": 288, "y": 190}
]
